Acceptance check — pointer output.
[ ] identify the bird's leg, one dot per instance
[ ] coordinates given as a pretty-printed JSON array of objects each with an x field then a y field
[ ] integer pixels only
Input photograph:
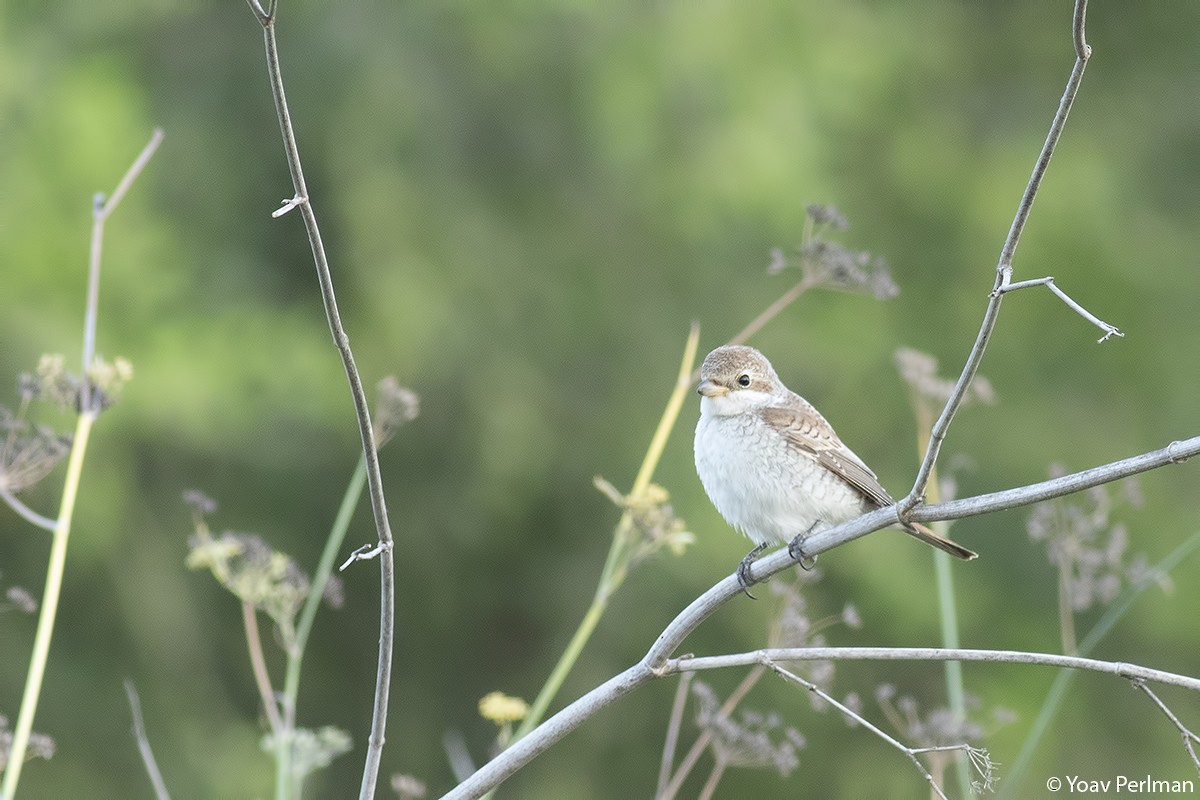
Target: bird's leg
[
  {"x": 743, "y": 570},
  {"x": 796, "y": 548}
]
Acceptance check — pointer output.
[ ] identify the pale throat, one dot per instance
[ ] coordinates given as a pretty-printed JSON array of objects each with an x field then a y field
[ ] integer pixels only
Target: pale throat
[{"x": 734, "y": 403}]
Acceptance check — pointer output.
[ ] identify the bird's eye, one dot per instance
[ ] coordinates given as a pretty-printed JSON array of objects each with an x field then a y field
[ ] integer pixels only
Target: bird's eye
[{"x": 743, "y": 380}]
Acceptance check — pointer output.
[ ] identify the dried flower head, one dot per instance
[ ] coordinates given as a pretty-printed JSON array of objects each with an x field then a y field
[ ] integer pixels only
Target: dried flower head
[
  {"x": 920, "y": 371},
  {"x": 650, "y": 518},
  {"x": 20, "y": 599},
  {"x": 52, "y": 382},
  {"x": 1085, "y": 544},
  {"x": 312, "y": 750},
  {"x": 200, "y": 502},
  {"x": 27, "y": 452},
  {"x": 827, "y": 215},
  {"x": 245, "y": 565},
  {"x": 828, "y": 263},
  {"x": 395, "y": 406},
  {"x": 408, "y": 787},
  {"x": 754, "y": 739},
  {"x": 40, "y": 745}
]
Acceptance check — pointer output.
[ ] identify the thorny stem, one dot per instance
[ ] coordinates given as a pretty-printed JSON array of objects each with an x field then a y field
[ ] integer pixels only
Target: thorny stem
[
  {"x": 1004, "y": 267},
  {"x": 101, "y": 210},
  {"x": 266, "y": 18}
]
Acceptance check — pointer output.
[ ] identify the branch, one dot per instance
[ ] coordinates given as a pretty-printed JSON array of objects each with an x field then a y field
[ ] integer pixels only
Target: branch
[
  {"x": 25, "y": 511},
  {"x": 1004, "y": 268},
  {"x": 1048, "y": 282},
  {"x": 88, "y": 410},
  {"x": 143, "y": 742},
  {"x": 657, "y": 661},
  {"x": 1120, "y": 669},
  {"x": 861, "y": 720},
  {"x": 1189, "y": 737},
  {"x": 102, "y": 209},
  {"x": 266, "y": 17}
]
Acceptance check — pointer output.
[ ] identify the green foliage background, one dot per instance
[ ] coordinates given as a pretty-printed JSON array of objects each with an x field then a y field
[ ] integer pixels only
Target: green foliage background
[{"x": 525, "y": 205}]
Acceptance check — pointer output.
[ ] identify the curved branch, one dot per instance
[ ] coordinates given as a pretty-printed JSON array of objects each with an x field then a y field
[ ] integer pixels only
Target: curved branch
[
  {"x": 658, "y": 662},
  {"x": 1004, "y": 267}
]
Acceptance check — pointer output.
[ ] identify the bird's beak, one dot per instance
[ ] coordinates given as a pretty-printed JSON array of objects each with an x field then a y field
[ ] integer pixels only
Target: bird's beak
[{"x": 710, "y": 388}]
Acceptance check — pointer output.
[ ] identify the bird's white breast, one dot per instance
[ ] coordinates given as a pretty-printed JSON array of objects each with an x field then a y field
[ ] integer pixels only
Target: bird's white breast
[{"x": 759, "y": 482}]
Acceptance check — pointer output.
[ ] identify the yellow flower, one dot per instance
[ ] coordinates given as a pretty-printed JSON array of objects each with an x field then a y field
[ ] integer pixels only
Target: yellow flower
[{"x": 501, "y": 708}]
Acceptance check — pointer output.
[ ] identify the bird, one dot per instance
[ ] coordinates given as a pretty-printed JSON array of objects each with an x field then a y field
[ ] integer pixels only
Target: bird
[{"x": 773, "y": 466}]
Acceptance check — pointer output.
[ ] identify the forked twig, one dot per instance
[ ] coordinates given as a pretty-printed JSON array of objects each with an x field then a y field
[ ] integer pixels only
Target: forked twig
[{"x": 1004, "y": 268}]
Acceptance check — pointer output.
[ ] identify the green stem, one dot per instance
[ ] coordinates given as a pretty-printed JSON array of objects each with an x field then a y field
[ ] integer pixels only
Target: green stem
[
  {"x": 295, "y": 655},
  {"x": 956, "y": 697},
  {"x": 50, "y": 598},
  {"x": 1062, "y": 681},
  {"x": 616, "y": 564}
]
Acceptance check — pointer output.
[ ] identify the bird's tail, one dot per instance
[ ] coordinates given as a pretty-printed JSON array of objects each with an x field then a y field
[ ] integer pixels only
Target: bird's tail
[{"x": 927, "y": 536}]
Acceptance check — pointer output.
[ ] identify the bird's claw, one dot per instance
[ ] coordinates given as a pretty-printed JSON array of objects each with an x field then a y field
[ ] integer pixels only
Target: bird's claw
[
  {"x": 796, "y": 551},
  {"x": 743, "y": 570}
]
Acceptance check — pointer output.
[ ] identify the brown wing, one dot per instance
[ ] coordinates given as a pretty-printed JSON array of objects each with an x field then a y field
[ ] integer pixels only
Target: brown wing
[{"x": 807, "y": 431}]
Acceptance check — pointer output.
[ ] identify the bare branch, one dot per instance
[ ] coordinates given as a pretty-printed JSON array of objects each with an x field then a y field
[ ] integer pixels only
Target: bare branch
[
  {"x": 25, "y": 511},
  {"x": 658, "y": 663},
  {"x": 1117, "y": 668},
  {"x": 101, "y": 210},
  {"x": 387, "y": 602},
  {"x": 143, "y": 742},
  {"x": 861, "y": 720},
  {"x": 1048, "y": 282},
  {"x": 1004, "y": 268},
  {"x": 673, "y": 725},
  {"x": 1189, "y": 737}
]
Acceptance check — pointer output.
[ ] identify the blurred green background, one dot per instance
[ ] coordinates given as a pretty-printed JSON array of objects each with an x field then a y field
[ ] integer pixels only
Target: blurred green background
[{"x": 525, "y": 205}]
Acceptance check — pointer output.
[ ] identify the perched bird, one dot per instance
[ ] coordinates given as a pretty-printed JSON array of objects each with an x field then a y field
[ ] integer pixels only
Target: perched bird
[{"x": 772, "y": 465}]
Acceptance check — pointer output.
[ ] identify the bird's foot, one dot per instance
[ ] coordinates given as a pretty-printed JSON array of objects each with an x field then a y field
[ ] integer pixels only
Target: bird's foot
[
  {"x": 743, "y": 570},
  {"x": 796, "y": 550}
]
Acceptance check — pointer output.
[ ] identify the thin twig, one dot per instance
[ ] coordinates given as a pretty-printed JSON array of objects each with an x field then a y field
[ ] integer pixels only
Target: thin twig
[
  {"x": 1189, "y": 737},
  {"x": 258, "y": 665},
  {"x": 1004, "y": 267},
  {"x": 25, "y": 511},
  {"x": 673, "y": 726},
  {"x": 861, "y": 720},
  {"x": 266, "y": 17},
  {"x": 1117, "y": 668},
  {"x": 143, "y": 742},
  {"x": 697, "y": 749},
  {"x": 101, "y": 210},
  {"x": 714, "y": 777},
  {"x": 1048, "y": 282}
]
